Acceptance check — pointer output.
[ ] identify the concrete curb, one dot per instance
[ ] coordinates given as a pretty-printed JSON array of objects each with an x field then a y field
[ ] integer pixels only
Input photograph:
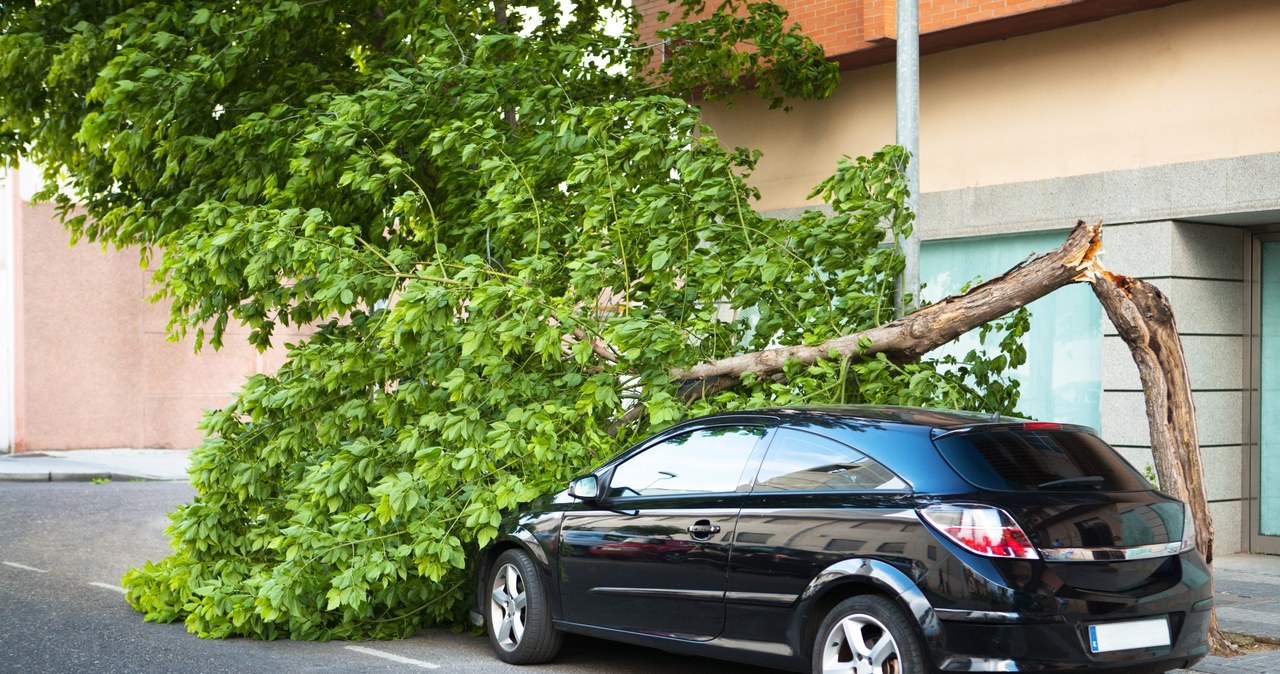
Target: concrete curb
[
  {"x": 86, "y": 465},
  {"x": 56, "y": 476}
]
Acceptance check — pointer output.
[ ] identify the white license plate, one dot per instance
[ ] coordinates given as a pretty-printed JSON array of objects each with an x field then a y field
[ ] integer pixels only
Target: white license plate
[{"x": 1127, "y": 635}]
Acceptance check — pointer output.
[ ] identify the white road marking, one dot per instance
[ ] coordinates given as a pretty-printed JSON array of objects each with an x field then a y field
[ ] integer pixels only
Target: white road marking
[
  {"x": 24, "y": 567},
  {"x": 117, "y": 588},
  {"x": 393, "y": 657}
]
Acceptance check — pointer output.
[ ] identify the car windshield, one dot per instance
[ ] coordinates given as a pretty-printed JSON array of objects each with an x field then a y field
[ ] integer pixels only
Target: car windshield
[{"x": 1026, "y": 459}]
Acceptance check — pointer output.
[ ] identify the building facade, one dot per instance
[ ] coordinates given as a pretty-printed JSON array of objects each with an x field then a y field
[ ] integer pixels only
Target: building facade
[
  {"x": 1159, "y": 118},
  {"x": 85, "y": 359}
]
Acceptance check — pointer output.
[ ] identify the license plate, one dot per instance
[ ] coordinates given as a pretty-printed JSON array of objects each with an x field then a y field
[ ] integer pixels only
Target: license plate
[{"x": 1127, "y": 635}]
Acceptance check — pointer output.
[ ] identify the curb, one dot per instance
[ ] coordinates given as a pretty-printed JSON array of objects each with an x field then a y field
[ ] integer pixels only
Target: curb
[
  {"x": 87, "y": 465},
  {"x": 26, "y": 477},
  {"x": 54, "y": 476}
]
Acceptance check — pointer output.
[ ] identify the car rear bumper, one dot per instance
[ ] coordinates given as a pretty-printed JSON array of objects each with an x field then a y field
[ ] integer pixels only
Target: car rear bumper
[
  {"x": 1027, "y": 621},
  {"x": 971, "y": 646}
]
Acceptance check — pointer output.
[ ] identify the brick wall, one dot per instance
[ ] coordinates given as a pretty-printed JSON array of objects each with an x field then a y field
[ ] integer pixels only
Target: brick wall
[{"x": 861, "y": 32}]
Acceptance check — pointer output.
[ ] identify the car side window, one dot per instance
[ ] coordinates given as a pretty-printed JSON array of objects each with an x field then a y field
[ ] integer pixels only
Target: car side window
[
  {"x": 801, "y": 461},
  {"x": 710, "y": 460}
]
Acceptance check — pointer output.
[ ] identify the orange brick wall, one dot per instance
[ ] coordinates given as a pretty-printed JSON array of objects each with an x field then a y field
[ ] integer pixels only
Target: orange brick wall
[
  {"x": 861, "y": 32},
  {"x": 942, "y": 14}
]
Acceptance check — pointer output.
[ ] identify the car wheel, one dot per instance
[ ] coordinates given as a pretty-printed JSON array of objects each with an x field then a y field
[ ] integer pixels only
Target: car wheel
[
  {"x": 518, "y": 616},
  {"x": 867, "y": 635}
]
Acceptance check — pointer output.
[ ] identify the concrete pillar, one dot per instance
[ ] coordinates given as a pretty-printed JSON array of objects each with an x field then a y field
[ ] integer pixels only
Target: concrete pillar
[{"x": 1201, "y": 269}]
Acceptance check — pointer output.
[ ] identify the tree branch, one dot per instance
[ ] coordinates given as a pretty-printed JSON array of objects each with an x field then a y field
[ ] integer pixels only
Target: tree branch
[
  {"x": 919, "y": 332},
  {"x": 913, "y": 335}
]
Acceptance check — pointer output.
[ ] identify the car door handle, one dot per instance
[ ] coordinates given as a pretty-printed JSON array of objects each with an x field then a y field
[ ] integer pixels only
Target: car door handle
[{"x": 703, "y": 529}]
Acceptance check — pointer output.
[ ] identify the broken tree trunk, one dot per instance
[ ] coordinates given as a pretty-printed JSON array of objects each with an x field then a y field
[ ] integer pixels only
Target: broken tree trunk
[
  {"x": 1138, "y": 309},
  {"x": 1143, "y": 317}
]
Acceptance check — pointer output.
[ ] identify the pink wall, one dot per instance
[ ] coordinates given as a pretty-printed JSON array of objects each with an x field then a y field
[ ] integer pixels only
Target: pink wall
[{"x": 92, "y": 366}]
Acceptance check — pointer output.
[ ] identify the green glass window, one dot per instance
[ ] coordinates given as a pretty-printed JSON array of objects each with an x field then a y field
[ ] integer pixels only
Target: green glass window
[
  {"x": 1062, "y": 378},
  {"x": 1269, "y": 489}
]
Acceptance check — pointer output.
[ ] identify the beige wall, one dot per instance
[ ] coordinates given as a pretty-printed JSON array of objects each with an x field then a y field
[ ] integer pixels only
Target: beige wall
[
  {"x": 1189, "y": 82},
  {"x": 7, "y": 416},
  {"x": 93, "y": 366}
]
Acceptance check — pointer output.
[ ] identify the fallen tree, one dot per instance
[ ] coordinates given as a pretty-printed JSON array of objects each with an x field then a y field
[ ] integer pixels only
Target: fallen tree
[{"x": 1140, "y": 312}]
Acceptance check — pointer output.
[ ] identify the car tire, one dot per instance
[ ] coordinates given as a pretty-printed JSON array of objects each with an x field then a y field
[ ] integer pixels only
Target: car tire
[
  {"x": 517, "y": 614},
  {"x": 867, "y": 633}
]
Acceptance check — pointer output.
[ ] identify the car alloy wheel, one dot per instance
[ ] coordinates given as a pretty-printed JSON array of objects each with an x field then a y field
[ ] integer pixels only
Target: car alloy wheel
[
  {"x": 866, "y": 635},
  {"x": 506, "y": 607},
  {"x": 519, "y": 619}
]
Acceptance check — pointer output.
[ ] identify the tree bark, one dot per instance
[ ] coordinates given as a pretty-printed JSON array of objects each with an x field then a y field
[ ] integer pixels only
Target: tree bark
[
  {"x": 1144, "y": 318},
  {"x": 1140, "y": 312}
]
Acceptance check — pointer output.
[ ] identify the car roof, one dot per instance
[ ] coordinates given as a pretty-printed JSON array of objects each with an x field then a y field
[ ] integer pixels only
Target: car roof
[
  {"x": 942, "y": 420},
  {"x": 904, "y": 440}
]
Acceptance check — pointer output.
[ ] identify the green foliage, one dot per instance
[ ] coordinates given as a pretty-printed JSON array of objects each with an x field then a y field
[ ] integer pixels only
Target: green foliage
[
  {"x": 503, "y": 239},
  {"x": 705, "y": 53}
]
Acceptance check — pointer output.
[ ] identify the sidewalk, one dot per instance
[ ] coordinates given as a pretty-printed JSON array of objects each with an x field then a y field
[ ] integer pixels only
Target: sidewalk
[
  {"x": 1247, "y": 594},
  {"x": 95, "y": 464}
]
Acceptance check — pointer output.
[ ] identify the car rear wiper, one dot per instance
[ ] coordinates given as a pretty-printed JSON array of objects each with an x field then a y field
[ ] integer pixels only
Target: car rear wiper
[{"x": 1082, "y": 481}]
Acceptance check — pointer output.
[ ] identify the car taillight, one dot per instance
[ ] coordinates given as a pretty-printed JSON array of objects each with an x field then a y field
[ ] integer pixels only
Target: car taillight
[
  {"x": 1188, "y": 529},
  {"x": 982, "y": 529}
]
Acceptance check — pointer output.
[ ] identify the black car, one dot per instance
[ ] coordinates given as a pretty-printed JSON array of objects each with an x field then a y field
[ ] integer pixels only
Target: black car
[{"x": 859, "y": 539}]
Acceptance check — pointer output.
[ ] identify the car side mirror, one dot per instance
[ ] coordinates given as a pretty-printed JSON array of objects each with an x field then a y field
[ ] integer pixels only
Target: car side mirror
[{"x": 585, "y": 488}]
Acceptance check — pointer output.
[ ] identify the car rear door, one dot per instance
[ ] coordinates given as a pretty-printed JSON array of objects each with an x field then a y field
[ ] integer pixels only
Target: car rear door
[
  {"x": 651, "y": 554},
  {"x": 1074, "y": 496},
  {"x": 1097, "y": 523}
]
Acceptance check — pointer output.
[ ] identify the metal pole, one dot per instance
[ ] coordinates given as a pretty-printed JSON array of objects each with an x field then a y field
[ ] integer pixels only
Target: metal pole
[{"x": 908, "y": 136}]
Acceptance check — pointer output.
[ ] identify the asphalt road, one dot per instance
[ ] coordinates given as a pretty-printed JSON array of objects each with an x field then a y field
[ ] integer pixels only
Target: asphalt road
[{"x": 65, "y": 545}]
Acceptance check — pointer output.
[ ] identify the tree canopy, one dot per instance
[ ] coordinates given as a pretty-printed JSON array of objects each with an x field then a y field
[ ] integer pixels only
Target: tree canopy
[{"x": 510, "y": 235}]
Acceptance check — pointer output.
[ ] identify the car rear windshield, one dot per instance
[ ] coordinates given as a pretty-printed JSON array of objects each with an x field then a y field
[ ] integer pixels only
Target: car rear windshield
[{"x": 1023, "y": 459}]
